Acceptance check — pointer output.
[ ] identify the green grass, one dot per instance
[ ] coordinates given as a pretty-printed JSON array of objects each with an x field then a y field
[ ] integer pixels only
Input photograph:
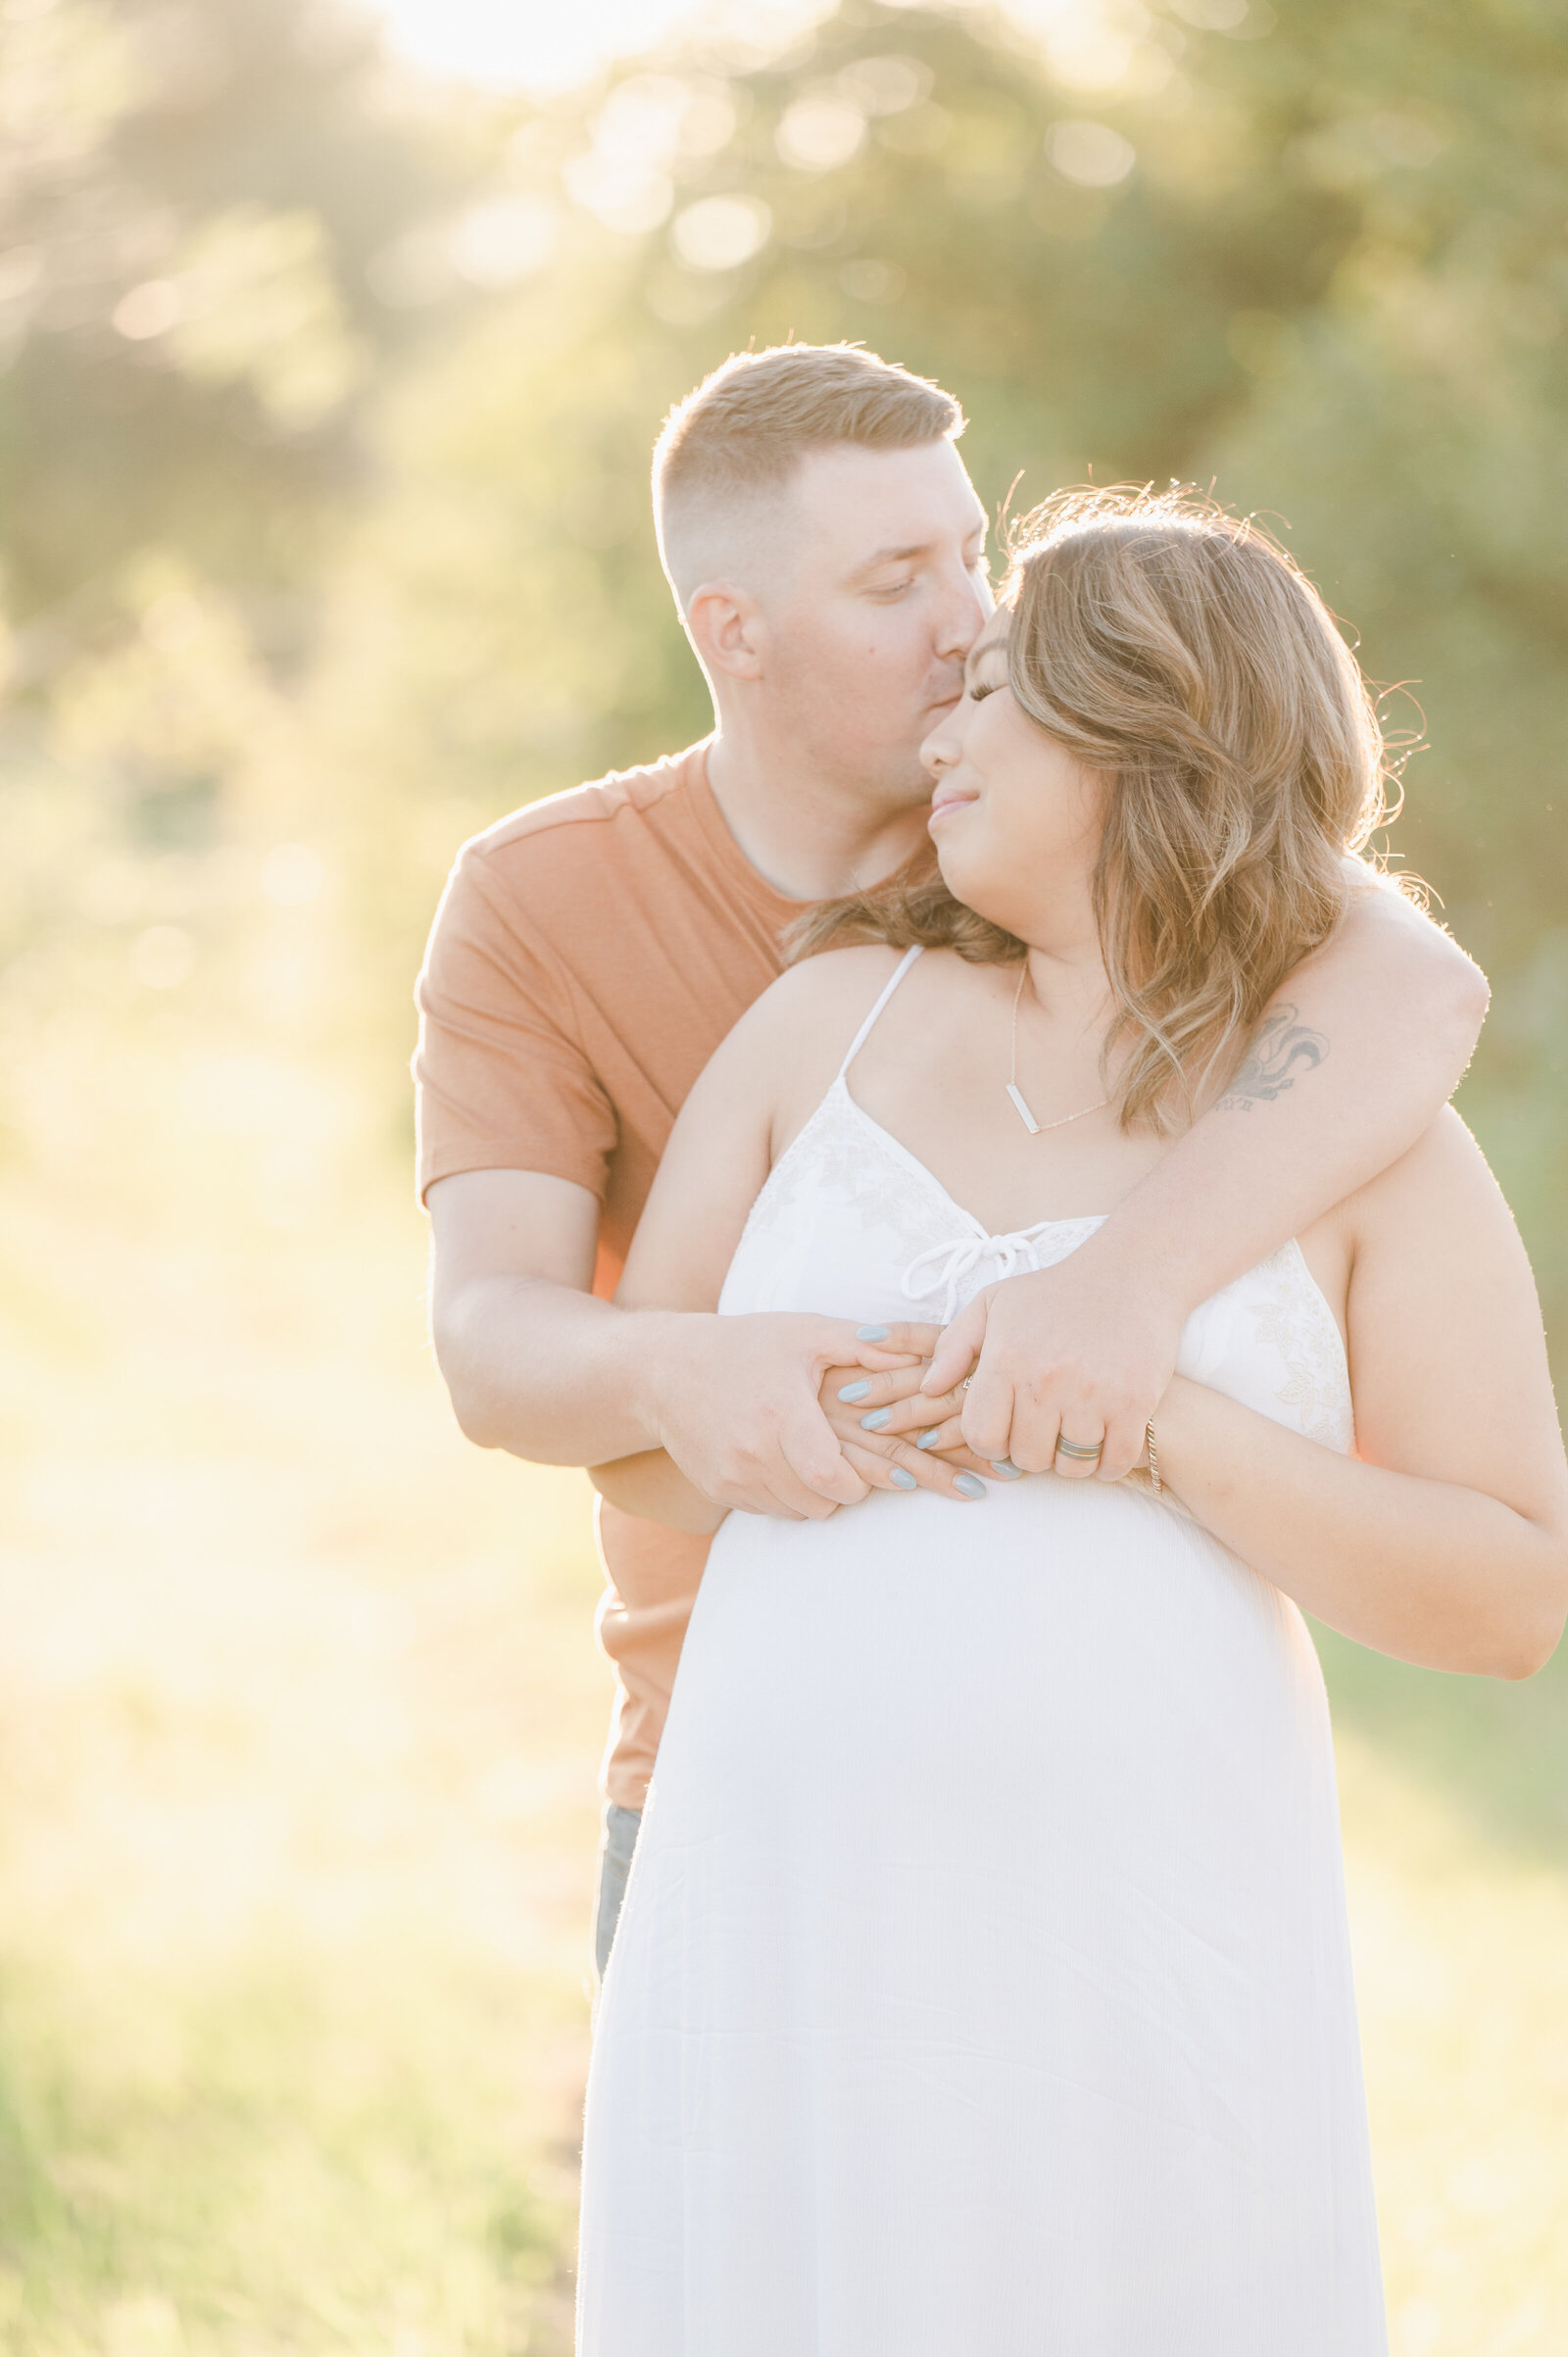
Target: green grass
[
  {"x": 1498, "y": 1753},
  {"x": 300, "y": 1714}
]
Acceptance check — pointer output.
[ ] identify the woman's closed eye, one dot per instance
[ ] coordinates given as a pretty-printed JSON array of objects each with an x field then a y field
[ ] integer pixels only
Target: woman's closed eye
[{"x": 980, "y": 689}]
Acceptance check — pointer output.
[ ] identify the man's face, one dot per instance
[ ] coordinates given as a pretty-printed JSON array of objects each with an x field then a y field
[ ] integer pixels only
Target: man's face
[{"x": 869, "y": 626}]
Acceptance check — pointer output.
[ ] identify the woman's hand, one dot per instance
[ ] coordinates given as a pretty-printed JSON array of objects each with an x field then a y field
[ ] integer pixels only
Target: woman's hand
[
  {"x": 909, "y": 1418},
  {"x": 888, "y": 1452}
]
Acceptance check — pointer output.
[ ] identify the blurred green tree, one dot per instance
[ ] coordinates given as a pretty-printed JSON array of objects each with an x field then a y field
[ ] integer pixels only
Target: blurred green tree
[
  {"x": 1317, "y": 257},
  {"x": 386, "y": 368},
  {"x": 195, "y": 199},
  {"x": 192, "y": 200}
]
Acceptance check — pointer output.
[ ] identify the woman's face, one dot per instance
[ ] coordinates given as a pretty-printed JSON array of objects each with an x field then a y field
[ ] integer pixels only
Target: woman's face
[{"x": 1015, "y": 817}]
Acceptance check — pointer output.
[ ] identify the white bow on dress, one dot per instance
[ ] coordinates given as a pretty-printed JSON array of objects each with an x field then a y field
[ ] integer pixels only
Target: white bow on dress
[{"x": 944, "y": 1267}]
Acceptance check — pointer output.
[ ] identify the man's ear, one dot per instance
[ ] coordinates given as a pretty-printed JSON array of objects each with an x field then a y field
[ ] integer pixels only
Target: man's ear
[{"x": 728, "y": 630}]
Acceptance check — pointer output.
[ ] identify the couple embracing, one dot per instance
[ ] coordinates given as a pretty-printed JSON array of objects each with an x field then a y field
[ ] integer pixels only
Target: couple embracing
[{"x": 1016, "y": 1282}]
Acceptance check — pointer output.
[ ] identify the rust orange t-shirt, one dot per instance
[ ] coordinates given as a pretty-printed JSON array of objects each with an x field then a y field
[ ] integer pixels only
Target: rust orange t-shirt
[{"x": 588, "y": 955}]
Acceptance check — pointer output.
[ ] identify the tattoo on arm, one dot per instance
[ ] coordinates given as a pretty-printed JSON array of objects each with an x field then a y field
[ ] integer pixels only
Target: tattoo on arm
[{"x": 1281, "y": 1050}]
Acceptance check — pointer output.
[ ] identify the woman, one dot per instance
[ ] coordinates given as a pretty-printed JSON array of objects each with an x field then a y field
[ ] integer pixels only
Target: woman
[{"x": 1003, "y": 2006}]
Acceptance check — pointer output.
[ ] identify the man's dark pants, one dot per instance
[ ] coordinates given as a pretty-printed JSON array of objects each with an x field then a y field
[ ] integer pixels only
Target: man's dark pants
[{"x": 614, "y": 1864}]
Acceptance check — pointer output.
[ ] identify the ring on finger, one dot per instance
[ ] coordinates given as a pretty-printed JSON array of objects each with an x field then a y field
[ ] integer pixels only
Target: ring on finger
[
  {"x": 965, "y": 1384},
  {"x": 1084, "y": 1453}
]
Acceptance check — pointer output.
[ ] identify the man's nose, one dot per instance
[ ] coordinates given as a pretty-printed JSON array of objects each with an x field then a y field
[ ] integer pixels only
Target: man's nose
[{"x": 966, "y": 611}]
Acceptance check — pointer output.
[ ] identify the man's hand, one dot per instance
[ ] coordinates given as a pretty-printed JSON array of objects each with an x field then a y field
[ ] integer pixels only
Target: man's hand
[
  {"x": 736, "y": 1403},
  {"x": 536, "y": 1365},
  {"x": 1081, "y": 1351}
]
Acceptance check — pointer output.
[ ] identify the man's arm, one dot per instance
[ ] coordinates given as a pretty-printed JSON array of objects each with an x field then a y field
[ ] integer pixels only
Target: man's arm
[
  {"x": 1352, "y": 1064},
  {"x": 535, "y": 1365},
  {"x": 511, "y": 1260}
]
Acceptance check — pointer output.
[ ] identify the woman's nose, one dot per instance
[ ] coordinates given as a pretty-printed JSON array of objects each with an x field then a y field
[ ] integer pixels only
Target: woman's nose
[{"x": 943, "y": 747}]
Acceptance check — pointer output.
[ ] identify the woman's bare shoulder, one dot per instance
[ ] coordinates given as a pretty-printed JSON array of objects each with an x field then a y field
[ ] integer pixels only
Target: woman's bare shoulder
[
  {"x": 795, "y": 1034},
  {"x": 836, "y": 985},
  {"x": 786, "y": 1048},
  {"x": 837, "y": 977},
  {"x": 1443, "y": 1185}
]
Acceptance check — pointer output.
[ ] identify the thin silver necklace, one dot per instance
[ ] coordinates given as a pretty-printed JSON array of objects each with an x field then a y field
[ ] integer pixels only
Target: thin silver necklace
[{"x": 1036, "y": 1128}]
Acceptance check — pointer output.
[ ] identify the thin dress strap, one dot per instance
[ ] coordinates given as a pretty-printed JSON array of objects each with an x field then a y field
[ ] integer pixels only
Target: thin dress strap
[{"x": 865, "y": 1032}]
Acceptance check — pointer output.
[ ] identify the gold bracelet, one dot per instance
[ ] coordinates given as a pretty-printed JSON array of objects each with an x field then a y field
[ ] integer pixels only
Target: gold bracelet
[{"x": 1153, "y": 1461}]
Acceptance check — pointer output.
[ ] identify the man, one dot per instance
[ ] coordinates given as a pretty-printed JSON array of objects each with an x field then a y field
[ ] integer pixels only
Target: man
[{"x": 826, "y": 552}]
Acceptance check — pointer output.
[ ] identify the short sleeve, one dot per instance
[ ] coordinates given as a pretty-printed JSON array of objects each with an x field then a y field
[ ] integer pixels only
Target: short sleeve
[{"x": 501, "y": 1081}]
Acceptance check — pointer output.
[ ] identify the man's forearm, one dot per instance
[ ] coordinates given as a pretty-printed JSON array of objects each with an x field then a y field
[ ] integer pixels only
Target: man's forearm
[
  {"x": 653, "y": 1486},
  {"x": 1352, "y": 1062},
  {"x": 547, "y": 1372},
  {"x": 535, "y": 1365},
  {"x": 553, "y": 1375}
]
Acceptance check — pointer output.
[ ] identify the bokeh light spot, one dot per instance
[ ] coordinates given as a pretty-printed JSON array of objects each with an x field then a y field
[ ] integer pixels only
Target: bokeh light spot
[
  {"x": 720, "y": 232},
  {"x": 1091, "y": 154},
  {"x": 818, "y": 134},
  {"x": 148, "y": 310}
]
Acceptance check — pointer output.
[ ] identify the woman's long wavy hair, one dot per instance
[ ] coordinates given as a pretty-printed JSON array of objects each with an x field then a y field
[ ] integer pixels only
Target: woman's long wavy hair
[{"x": 1181, "y": 654}]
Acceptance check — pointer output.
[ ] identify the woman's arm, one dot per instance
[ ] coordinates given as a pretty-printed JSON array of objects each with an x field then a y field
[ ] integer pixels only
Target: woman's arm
[
  {"x": 1445, "y": 1540},
  {"x": 713, "y": 1168},
  {"x": 1354, "y": 1058},
  {"x": 753, "y": 1097}
]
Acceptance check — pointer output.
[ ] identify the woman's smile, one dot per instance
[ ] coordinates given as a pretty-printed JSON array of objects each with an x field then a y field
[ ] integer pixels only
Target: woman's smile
[{"x": 947, "y": 797}]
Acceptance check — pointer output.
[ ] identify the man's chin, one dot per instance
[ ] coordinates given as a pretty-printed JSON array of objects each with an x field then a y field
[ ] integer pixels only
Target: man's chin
[
  {"x": 909, "y": 789},
  {"x": 896, "y": 783}
]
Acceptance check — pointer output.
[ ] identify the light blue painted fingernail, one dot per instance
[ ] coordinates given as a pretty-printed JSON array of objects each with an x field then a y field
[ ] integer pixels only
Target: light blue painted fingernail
[
  {"x": 869, "y": 1334},
  {"x": 969, "y": 1484},
  {"x": 903, "y": 1478},
  {"x": 1005, "y": 1470},
  {"x": 877, "y": 1419},
  {"x": 928, "y": 1439},
  {"x": 856, "y": 1391}
]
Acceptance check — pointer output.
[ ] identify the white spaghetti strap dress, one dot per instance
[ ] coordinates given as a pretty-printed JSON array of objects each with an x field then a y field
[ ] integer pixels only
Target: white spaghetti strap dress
[{"x": 983, "y": 1987}]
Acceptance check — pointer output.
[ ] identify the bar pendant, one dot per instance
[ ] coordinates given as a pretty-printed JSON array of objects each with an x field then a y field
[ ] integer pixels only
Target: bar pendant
[{"x": 1022, "y": 1110}]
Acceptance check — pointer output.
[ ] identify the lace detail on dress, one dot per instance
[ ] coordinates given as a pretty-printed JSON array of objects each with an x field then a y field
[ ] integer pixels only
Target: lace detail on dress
[
  {"x": 852, "y": 1223},
  {"x": 1290, "y": 1317},
  {"x": 841, "y": 1151}
]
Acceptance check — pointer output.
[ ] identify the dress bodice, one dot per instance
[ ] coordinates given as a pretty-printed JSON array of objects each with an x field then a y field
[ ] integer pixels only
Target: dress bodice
[{"x": 852, "y": 1224}]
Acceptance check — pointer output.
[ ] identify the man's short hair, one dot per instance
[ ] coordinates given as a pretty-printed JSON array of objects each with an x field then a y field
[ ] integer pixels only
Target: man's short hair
[{"x": 733, "y": 444}]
